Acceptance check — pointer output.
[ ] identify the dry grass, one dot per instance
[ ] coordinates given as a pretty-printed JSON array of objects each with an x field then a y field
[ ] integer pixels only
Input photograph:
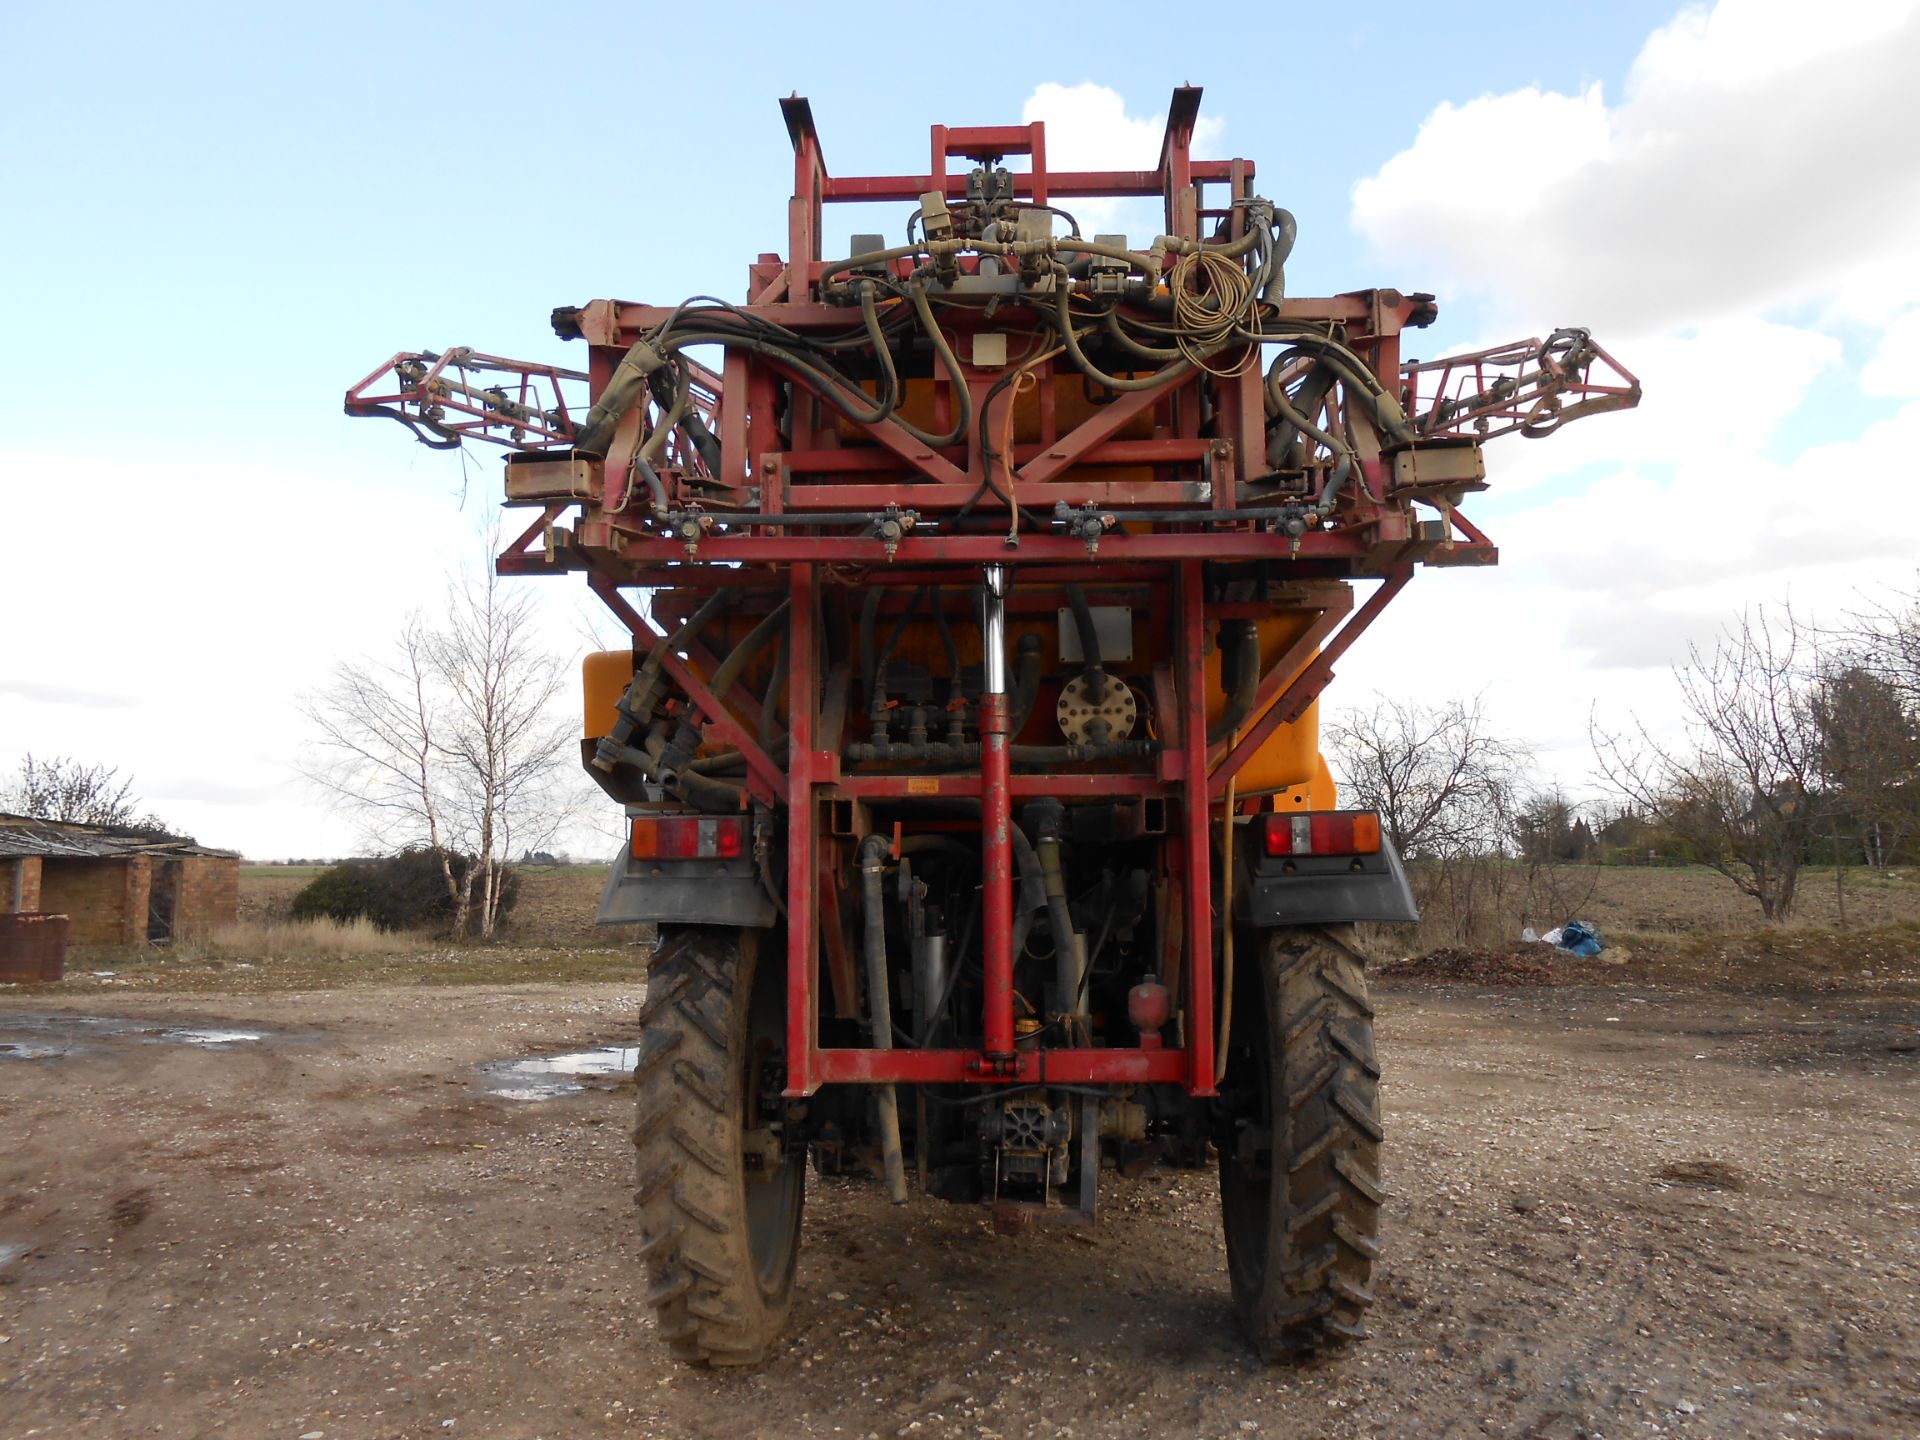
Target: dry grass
[
  {"x": 269, "y": 938},
  {"x": 553, "y": 938}
]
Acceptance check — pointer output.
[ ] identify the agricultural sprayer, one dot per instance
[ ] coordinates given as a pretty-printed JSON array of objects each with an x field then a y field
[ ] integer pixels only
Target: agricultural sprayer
[{"x": 967, "y": 738}]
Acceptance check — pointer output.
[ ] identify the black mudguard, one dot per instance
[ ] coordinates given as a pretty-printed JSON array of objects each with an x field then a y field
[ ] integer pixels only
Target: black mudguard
[
  {"x": 684, "y": 892},
  {"x": 1323, "y": 890}
]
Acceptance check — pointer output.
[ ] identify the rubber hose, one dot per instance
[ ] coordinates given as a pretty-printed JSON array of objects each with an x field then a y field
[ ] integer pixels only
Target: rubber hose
[
  {"x": 1091, "y": 670},
  {"x": 1246, "y": 682},
  {"x": 1063, "y": 321},
  {"x": 1026, "y": 683},
  {"x": 963, "y": 395},
  {"x": 770, "y": 705},
  {"x": 757, "y": 639},
  {"x": 1155, "y": 353}
]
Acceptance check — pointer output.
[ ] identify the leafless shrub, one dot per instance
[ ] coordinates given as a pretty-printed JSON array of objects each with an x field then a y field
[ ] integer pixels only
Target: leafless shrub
[
  {"x": 64, "y": 790},
  {"x": 1742, "y": 793}
]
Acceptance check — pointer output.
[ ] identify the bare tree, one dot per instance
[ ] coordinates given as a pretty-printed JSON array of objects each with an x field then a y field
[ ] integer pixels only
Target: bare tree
[
  {"x": 63, "y": 789},
  {"x": 451, "y": 741},
  {"x": 1444, "y": 784},
  {"x": 1442, "y": 781},
  {"x": 1884, "y": 641},
  {"x": 1742, "y": 794}
]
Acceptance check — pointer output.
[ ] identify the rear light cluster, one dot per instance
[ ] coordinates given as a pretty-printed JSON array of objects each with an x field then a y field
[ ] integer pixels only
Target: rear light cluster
[
  {"x": 1324, "y": 832},
  {"x": 691, "y": 837}
]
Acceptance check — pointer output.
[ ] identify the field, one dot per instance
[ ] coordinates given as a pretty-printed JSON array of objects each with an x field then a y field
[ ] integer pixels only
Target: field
[{"x": 283, "y": 1194}]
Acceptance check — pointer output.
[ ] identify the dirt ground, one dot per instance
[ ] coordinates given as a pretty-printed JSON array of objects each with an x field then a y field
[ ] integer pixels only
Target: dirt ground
[{"x": 1616, "y": 1210}]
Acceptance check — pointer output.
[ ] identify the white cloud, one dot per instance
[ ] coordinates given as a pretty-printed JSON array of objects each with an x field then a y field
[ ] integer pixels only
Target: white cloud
[
  {"x": 1895, "y": 366},
  {"x": 1739, "y": 219},
  {"x": 1088, "y": 128},
  {"x": 1760, "y": 157},
  {"x": 168, "y": 614}
]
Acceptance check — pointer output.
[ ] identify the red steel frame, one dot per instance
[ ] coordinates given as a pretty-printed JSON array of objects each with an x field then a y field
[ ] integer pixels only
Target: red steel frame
[{"x": 1376, "y": 539}]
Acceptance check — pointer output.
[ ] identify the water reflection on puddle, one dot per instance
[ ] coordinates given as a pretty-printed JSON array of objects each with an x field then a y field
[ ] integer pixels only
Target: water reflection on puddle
[
  {"x": 215, "y": 1038},
  {"x": 49, "y": 1037},
  {"x": 548, "y": 1077}
]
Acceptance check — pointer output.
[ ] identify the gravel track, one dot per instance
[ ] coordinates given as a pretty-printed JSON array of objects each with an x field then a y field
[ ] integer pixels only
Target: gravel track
[{"x": 1614, "y": 1212}]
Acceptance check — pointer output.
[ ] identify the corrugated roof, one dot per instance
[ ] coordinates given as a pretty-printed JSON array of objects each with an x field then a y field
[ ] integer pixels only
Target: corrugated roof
[{"x": 52, "y": 839}]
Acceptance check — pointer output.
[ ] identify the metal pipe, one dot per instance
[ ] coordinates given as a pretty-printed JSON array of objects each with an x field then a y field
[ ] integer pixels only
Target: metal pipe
[
  {"x": 929, "y": 982},
  {"x": 1069, "y": 946},
  {"x": 996, "y": 823},
  {"x": 873, "y": 864}
]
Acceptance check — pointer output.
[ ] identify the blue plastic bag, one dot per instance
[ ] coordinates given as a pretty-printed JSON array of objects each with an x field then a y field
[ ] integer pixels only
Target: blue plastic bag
[{"x": 1579, "y": 938}]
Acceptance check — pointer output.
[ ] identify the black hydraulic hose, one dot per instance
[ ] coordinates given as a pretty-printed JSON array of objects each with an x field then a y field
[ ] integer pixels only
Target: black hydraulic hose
[
  {"x": 1063, "y": 322},
  {"x": 1156, "y": 353},
  {"x": 757, "y": 639},
  {"x": 1033, "y": 887},
  {"x": 770, "y": 703},
  {"x": 1026, "y": 683},
  {"x": 877, "y": 685},
  {"x": 1283, "y": 404},
  {"x": 882, "y": 351},
  {"x": 946, "y": 639},
  {"x": 1245, "y": 681},
  {"x": 655, "y": 489},
  {"x": 1286, "y": 230},
  {"x": 873, "y": 861},
  {"x": 595, "y": 433},
  {"x": 704, "y": 793},
  {"x": 636, "y": 706},
  {"x": 899, "y": 629},
  {"x": 962, "y": 395},
  {"x": 1330, "y": 493},
  {"x": 1287, "y": 449},
  {"x": 1091, "y": 669}
]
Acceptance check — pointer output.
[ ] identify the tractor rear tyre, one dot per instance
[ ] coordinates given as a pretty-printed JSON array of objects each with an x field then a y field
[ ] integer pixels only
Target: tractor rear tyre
[
  {"x": 1299, "y": 1173},
  {"x": 719, "y": 1197}
]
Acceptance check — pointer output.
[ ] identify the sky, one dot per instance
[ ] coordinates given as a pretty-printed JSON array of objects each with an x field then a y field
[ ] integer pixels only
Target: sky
[{"x": 221, "y": 217}]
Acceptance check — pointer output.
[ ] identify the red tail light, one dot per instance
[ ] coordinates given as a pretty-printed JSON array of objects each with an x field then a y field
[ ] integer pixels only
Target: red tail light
[
  {"x": 1324, "y": 832},
  {"x": 688, "y": 837}
]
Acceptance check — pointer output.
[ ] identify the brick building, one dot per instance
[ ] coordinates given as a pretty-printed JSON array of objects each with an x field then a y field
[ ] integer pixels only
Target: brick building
[{"x": 115, "y": 889}]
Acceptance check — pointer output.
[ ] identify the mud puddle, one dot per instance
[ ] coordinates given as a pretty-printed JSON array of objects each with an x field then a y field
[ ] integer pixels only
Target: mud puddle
[
  {"x": 550, "y": 1077},
  {"x": 53, "y": 1037}
]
